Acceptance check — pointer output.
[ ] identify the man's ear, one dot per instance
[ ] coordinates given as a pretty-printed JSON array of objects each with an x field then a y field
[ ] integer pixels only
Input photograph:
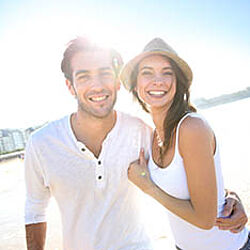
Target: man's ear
[{"x": 70, "y": 87}]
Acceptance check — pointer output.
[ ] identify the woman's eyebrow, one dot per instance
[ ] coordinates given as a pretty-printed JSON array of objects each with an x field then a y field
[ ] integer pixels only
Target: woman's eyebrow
[
  {"x": 145, "y": 67},
  {"x": 167, "y": 68},
  {"x": 148, "y": 67}
]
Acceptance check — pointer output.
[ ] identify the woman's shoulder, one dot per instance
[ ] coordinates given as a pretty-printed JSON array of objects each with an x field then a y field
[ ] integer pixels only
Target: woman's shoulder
[
  {"x": 195, "y": 132},
  {"x": 194, "y": 124}
]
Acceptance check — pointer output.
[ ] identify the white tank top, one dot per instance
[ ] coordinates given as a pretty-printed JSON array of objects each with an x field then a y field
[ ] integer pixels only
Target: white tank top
[{"x": 174, "y": 182}]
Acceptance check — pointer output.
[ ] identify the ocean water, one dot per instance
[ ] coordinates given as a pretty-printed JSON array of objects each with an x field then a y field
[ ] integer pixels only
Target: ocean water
[{"x": 231, "y": 123}]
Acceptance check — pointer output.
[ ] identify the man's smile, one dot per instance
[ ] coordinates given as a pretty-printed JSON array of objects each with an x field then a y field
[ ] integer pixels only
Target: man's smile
[{"x": 98, "y": 98}]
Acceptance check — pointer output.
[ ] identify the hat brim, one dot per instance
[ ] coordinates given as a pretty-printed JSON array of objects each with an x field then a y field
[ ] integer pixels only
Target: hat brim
[{"x": 129, "y": 67}]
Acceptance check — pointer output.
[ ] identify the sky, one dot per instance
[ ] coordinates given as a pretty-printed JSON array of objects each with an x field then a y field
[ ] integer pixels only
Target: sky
[{"x": 213, "y": 37}]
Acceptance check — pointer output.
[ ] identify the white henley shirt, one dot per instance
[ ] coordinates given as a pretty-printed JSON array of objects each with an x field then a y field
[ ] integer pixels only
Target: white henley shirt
[{"x": 99, "y": 206}]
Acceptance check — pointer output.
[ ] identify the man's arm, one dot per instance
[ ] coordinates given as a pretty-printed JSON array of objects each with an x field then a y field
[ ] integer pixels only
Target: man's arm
[
  {"x": 37, "y": 198},
  {"x": 35, "y": 236},
  {"x": 233, "y": 217}
]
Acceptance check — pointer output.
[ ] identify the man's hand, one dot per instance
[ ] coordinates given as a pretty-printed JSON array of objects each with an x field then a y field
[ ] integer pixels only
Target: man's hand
[
  {"x": 35, "y": 236},
  {"x": 233, "y": 217}
]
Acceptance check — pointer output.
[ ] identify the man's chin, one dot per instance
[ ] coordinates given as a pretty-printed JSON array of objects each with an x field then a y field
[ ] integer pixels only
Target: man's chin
[
  {"x": 99, "y": 114},
  {"x": 102, "y": 115}
]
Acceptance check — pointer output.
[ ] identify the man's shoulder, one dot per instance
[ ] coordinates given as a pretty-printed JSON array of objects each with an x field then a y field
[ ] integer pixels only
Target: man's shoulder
[
  {"x": 52, "y": 128},
  {"x": 130, "y": 120}
]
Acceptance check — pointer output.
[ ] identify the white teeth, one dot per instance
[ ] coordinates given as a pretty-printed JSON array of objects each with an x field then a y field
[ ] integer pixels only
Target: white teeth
[
  {"x": 158, "y": 93},
  {"x": 98, "y": 99}
]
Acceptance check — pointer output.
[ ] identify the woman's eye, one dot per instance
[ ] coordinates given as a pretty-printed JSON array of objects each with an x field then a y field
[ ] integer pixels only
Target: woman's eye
[
  {"x": 168, "y": 73},
  {"x": 146, "y": 73}
]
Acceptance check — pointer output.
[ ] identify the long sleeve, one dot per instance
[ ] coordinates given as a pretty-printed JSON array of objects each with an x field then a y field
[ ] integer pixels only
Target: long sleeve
[{"x": 37, "y": 192}]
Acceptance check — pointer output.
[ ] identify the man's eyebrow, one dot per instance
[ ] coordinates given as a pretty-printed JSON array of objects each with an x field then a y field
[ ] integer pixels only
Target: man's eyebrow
[
  {"x": 82, "y": 71},
  {"x": 104, "y": 68}
]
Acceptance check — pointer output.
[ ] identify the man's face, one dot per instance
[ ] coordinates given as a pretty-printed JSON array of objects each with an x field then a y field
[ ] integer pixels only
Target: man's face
[{"x": 94, "y": 83}]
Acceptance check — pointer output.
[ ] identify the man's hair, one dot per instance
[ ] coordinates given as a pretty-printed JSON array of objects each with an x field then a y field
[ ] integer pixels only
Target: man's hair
[{"x": 82, "y": 44}]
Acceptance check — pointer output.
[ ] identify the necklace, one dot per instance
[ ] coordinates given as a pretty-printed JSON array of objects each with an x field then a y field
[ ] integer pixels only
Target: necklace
[
  {"x": 158, "y": 139},
  {"x": 158, "y": 149}
]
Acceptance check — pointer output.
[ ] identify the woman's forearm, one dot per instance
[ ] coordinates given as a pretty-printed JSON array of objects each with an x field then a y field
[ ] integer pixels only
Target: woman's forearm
[{"x": 182, "y": 208}]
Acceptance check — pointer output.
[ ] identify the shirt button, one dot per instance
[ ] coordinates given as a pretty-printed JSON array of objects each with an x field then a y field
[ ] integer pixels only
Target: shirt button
[
  {"x": 99, "y": 162},
  {"x": 83, "y": 149},
  {"x": 99, "y": 177}
]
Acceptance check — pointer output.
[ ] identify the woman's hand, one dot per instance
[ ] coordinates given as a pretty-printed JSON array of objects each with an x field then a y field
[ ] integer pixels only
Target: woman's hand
[{"x": 138, "y": 173}]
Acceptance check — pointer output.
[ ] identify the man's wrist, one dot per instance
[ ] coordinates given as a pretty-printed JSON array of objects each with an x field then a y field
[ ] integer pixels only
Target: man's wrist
[{"x": 232, "y": 195}]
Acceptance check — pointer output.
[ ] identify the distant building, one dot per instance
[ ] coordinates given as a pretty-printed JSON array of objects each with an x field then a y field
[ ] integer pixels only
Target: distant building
[
  {"x": 19, "y": 139},
  {"x": 14, "y": 139},
  {"x": 1, "y": 141},
  {"x": 6, "y": 141}
]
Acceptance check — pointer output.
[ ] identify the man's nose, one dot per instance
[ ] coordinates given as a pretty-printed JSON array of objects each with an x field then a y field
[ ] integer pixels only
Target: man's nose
[{"x": 96, "y": 81}]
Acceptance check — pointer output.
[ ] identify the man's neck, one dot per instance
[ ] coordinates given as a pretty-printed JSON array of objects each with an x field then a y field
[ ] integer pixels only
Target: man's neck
[{"x": 92, "y": 131}]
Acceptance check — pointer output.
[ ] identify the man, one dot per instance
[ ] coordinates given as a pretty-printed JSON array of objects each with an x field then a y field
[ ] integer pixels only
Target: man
[{"x": 82, "y": 160}]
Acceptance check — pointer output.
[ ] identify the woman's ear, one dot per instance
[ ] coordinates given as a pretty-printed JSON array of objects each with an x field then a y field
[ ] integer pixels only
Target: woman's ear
[{"x": 134, "y": 91}]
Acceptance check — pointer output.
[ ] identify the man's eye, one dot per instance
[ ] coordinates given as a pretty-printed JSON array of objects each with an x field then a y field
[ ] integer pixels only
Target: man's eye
[
  {"x": 83, "y": 77},
  {"x": 106, "y": 74}
]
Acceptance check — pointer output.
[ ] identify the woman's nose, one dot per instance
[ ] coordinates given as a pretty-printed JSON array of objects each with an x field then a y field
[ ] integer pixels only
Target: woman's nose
[{"x": 158, "y": 80}]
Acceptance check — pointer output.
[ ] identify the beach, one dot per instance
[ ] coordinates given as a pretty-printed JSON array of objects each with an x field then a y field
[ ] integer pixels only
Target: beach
[
  {"x": 231, "y": 125},
  {"x": 12, "y": 200}
]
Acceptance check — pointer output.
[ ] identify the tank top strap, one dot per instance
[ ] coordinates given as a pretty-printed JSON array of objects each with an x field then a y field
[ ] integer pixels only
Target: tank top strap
[{"x": 178, "y": 127}]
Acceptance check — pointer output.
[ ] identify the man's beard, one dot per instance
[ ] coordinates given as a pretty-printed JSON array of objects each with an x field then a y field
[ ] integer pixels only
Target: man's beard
[{"x": 91, "y": 112}]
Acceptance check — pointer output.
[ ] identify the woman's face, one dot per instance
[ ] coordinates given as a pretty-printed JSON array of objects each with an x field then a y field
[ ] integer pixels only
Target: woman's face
[{"x": 156, "y": 82}]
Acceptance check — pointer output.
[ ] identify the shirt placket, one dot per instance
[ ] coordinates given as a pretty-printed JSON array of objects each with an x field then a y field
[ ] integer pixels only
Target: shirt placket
[
  {"x": 97, "y": 164},
  {"x": 99, "y": 173}
]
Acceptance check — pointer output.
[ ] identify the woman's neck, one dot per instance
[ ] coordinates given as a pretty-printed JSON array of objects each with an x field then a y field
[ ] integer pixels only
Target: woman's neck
[{"x": 158, "y": 116}]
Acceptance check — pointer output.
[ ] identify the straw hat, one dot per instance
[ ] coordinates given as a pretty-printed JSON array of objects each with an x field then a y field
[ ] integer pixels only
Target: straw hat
[{"x": 155, "y": 47}]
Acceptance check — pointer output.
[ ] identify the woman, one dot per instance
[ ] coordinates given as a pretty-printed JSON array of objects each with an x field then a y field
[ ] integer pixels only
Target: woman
[{"x": 183, "y": 172}]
